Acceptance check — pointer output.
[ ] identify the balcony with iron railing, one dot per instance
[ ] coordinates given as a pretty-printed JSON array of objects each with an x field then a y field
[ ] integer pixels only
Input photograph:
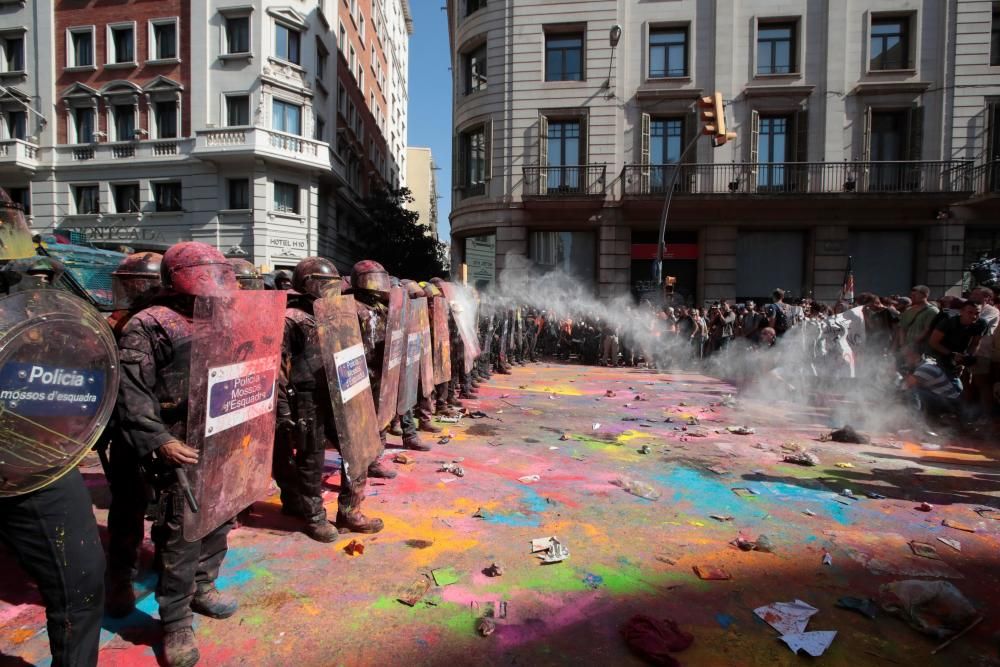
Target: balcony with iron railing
[
  {"x": 17, "y": 154},
  {"x": 576, "y": 181},
  {"x": 235, "y": 143},
  {"x": 986, "y": 178},
  {"x": 799, "y": 178}
]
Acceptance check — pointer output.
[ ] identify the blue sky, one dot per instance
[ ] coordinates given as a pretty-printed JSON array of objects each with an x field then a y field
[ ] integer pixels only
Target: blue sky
[{"x": 430, "y": 97}]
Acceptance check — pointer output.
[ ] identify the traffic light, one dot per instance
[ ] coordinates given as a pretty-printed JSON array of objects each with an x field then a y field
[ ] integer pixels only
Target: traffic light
[{"x": 713, "y": 115}]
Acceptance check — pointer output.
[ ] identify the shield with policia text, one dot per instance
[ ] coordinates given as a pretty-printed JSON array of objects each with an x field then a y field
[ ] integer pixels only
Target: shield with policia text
[
  {"x": 409, "y": 378},
  {"x": 392, "y": 360},
  {"x": 504, "y": 334},
  {"x": 463, "y": 309},
  {"x": 343, "y": 352},
  {"x": 58, "y": 384},
  {"x": 426, "y": 347},
  {"x": 235, "y": 358},
  {"x": 440, "y": 339}
]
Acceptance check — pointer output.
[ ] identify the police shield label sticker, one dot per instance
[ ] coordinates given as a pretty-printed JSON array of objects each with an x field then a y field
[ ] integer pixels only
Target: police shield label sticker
[
  {"x": 396, "y": 348},
  {"x": 34, "y": 390},
  {"x": 352, "y": 371},
  {"x": 239, "y": 392},
  {"x": 413, "y": 348}
]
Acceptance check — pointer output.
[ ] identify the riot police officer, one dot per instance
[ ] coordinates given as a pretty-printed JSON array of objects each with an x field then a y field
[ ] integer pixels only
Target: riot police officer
[
  {"x": 305, "y": 414},
  {"x": 46, "y": 516},
  {"x": 152, "y": 411},
  {"x": 247, "y": 275}
]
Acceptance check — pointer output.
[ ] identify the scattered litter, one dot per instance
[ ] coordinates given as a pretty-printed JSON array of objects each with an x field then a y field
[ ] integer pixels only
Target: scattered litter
[
  {"x": 728, "y": 401},
  {"x": 354, "y": 548},
  {"x": 802, "y": 458},
  {"x": 693, "y": 421},
  {"x": 762, "y": 543},
  {"x": 875, "y": 496},
  {"x": 645, "y": 449},
  {"x": 481, "y": 514},
  {"x": 988, "y": 513},
  {"x": 528, "y": 479},
  {"x": 552, "y": 397},
  {"x": 740, "y": 430},
  {"x": 412, "y": 594},
  {"x": 924, "y": 550},
  {"x": 449, "y": 420},
  {"x": 549, "y": 549},
  {"x": 847, "y": 493},
  {"x": 954, "y": 544},
  {"x": 664, "y": 558},
  {"x": 724, "y": 620},
  {"x": 494, "y": 570},
  {"x": 596, "y": 426},
  {"x": 402, "y": 457},
  {"x": 655, "y": 640},
  {"x": 808, "y": 512},
  {"x": 788, "y": 618},
  {"x": 445, "y": 440},
  {"x": 593, "y": 581},
  {"x": 935, "y": 608},
  {"x": 827, "y": 558},
  {"x": 744, "y": 492},
  {"x": 813, "y": 643},
  {"x": 864, "y": 606},
  {"x": 721, "y": 517},
  {"x": 711, "y": 572},
  {"x": 609, "y": 393},
  {"x": 637, "y": 488},
  {"x": 925, "y": 507},
  {"x": 958, "y": 526},
  {"x": 419, "y": 544},
  {"x": 486, "y": 627},
  {"x": 479, "y": 414},
  {"x": 553, "y": 447},
  {"x": 445, "y": 576},
  {"x": 717, "y": 470},
  {"x": 849, "y": 435},
  {"x": 844, "y": 464},
  {"x": 504, "y": 395},
  {"x": 974, "y": 623},
  {"x": 453, "y": 468}
]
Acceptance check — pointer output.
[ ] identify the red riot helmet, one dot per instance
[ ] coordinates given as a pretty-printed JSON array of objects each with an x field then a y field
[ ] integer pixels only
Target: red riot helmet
[
  {"x": 135, "y": 279},
  {"x": 370, "y": 276},
  {"x": 316, "y": 276},
  {"x": 247, "y": 275},
  {"x": 413, "y": 290},
  {"x": 197, "y": 269},
  {"x": 430, "y": 290}
]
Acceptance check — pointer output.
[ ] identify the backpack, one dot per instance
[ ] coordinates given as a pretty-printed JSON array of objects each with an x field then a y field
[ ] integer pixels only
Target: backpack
[{"x": 781, "y": 323}]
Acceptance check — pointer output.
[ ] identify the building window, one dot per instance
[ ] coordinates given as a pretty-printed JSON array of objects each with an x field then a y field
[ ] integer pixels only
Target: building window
[
  {"x": 87, "y": 199},
  {"x": 239, "y": 193},
  {"x": 163, "y": 45},
  {"x": 473, "y": 6},
  {"x": 319, "y": 129},
  {"x": 321, "y": 58},
  {"x": 665, "y": 138},
  {"x": 343, "y": 37},
  {"x": 83, "y": 124},
  {"x": 361, "y": 28},
  {"x": 121, "y": 44},
  {"x": 286, "y": 197},
  {"x": 667, "y": 52},
  {"x": 563, "y": 150},
  {"x": 341, "y": 99},
  {"x": 13, "y": 52},
  {"x": 473, "y": 147},
  {"x": 237, "y": 110},
  {"x": 17, "y": 125},
  {"x": 237, "y": 34},
  {"x": 775, "y": 48},
  {"x": 563, "y": 57},
  {"x": 286, "y": 43},
  {"x": 995, "y": 37},
  {"x": 167, "y": 197},
  {"x": 165, "y": 114},
  {"x": 123, "y": 116},
  {"x": 126, "y": 197},
  {"x": 352, "y": 60},
  {"x": 81, "y": 47},
  {"x": 774, "y": 150},
  {"x": 21, "y": 196},
  {"x": 890, "y": 44},
  {"x": 475, "y": 69},
  {"x": 286, "y": 117}
]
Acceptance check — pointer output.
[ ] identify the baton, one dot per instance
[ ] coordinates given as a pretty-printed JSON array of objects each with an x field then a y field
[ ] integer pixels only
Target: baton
[{"x": 182, "y": 480}]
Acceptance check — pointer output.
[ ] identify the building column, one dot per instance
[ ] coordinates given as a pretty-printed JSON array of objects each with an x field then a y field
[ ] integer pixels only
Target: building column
[
  {"x": 513, "y": 241},
  {"x": 829, "y": 263},
  {"x": 717, "y": 264},
  {"x": 614, "y": 256},
  {"x": 945, "y": 255}
]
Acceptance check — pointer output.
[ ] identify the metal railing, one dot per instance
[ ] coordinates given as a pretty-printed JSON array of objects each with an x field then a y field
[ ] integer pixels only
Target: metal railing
[
  {"x": 986, "y": 178},
  {"x": 775, "y": 178},
  {"x": 567, "y": 181}
]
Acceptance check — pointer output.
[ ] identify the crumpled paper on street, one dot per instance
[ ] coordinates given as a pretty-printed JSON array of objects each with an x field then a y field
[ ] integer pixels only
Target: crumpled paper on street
[
  {"x": 813, "y": 643},
  {"x": 791, "y": 619}
]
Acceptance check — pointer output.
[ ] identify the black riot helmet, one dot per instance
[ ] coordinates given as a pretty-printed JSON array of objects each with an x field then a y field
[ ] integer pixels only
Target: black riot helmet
[{"x": 316, "y": 277}]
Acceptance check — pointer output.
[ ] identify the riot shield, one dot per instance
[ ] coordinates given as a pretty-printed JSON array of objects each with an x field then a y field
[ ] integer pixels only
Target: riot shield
[
  {"x": 350, "y": 387},
  {"x": 463, "y": 308},
  {"x": 409, "y": 378},
  {"x": 392, "y": 360},
  {"x": 235, "y": 358},
  {"x": 502, "y": 343},
  {"x": 440, "y": 339},
  {"x": 58, "y": 384},
  {"x": 426, "y": 347}
]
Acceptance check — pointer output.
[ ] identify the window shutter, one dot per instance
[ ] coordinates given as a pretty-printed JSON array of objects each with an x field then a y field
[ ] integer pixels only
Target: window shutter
[
  {"x": 644, "y": 154},
  {"x": 692, "y": 126},
  {"x": 801, "y": 136},
  {"x": 584, "y": 157},
  {"x": 488, "y": 150},
  {"x": 866, "y": 136},
  {"x": 754, "y": 151},
  {"x": 456, "y": 161},
  {"x": 915, "y": 140},
  {"x": 543, "y": 141}
]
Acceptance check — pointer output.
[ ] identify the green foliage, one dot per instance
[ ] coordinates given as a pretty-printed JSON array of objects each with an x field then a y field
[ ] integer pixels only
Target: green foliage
[{"x": 396, "y": 239}]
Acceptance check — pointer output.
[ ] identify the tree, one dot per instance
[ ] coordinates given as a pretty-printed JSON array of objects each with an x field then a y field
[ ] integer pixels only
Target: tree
[{"x": 397, "y": 240}]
